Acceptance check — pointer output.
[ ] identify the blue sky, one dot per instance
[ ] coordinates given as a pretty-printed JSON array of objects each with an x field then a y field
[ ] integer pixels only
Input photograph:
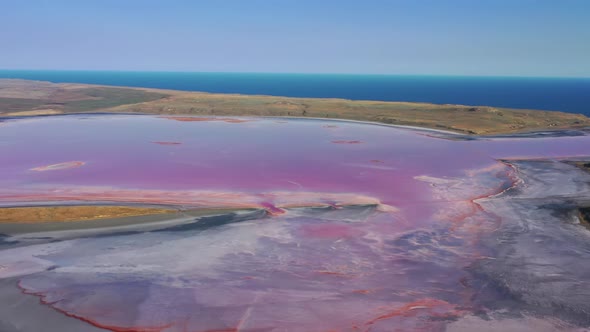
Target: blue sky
[{"x": 434, "y": 37}]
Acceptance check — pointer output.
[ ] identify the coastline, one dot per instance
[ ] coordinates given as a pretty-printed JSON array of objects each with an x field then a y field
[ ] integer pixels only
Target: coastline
[
  {"x": 34, "y": 98},
  {"x": 543, "y": 93}
]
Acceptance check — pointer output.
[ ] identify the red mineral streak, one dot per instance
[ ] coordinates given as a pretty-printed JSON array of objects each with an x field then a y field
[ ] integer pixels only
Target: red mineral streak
[
  {"x": 197, "y": 119},
  {"x": 334, "y": 206},
  {"x": 272, "y": 210},
  {"x": 60, "y": 166},
  {"x": 42, "y": 299},
  {"x": 424, "y": 307},
  {"x": 331, "y": 231},
  {"x": 166, "y": 143},
  {"x": 469, "y": 221},
  {"x": 346, "y": 142},
  {"x": 333, "y": 273}
]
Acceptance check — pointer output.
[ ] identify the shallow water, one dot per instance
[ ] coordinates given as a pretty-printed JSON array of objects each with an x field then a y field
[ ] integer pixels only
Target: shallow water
[{"x": 359, "y": 227}]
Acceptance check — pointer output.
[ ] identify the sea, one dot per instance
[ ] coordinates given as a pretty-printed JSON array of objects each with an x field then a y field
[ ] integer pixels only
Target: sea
[{"x": 570, "y": 95}]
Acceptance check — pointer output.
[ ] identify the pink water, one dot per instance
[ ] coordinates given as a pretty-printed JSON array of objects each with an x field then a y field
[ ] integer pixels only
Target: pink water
[{"x": 397, "y": 227}]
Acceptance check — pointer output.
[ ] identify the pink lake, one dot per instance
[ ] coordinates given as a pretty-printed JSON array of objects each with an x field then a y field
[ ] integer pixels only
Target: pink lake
[{"x": 338, "y": 226}]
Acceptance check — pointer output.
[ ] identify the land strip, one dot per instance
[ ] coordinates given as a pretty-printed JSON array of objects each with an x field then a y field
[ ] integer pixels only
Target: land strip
[{"x": 30, "y": 98}]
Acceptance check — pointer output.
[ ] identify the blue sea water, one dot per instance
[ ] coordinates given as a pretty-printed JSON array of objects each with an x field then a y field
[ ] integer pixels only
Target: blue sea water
[{"x": 559, "y": 94}]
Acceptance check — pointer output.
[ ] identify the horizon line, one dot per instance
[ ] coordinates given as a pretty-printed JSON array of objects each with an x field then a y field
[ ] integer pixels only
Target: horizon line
[{"x": 288, "y": 73}]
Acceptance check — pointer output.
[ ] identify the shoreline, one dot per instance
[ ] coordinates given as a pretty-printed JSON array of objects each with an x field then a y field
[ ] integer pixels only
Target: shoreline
[
  {"x": 24, "y": 98},
  {"x": 414, "y": 128},
  {"x": 548, "y": 92},
  {"x": 456, "y": 134}
]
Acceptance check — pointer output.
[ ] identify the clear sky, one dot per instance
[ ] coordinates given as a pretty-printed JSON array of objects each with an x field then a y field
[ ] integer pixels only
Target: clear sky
[{"x": 438, "y": 37}]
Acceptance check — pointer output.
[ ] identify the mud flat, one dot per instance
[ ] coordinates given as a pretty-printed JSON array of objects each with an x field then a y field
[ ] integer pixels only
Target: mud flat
[{"x": 540, "y": 249}]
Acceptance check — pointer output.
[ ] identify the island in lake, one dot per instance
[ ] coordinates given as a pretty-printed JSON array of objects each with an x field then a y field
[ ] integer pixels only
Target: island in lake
[{"x": 125, "y": 209}]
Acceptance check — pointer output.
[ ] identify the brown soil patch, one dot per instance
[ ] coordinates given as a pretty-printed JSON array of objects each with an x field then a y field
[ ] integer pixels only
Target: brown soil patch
[{"x": 73, "y": 213}]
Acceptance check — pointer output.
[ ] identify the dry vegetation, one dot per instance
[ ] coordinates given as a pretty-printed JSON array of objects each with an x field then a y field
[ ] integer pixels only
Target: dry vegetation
[
  {"x": 73, "y": 213},
  {"x": 19, "y": 97}
]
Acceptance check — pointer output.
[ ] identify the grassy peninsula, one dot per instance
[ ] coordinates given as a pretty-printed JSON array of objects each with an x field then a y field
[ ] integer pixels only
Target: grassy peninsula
[{"x": 27, "y": 98}]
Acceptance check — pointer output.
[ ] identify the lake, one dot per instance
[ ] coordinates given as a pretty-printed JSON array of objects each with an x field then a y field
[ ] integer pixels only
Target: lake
[{"x": 329, "y": 225}]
